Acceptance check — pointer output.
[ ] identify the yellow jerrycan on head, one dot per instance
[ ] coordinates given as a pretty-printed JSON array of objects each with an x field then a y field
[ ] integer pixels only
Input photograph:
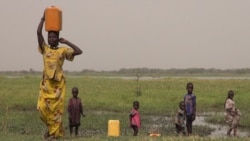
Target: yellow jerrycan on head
[{"x": 53, "y": 19}]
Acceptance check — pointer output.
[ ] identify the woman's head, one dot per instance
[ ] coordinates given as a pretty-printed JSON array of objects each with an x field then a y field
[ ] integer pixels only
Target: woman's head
[{"x": 53, "y": 38}]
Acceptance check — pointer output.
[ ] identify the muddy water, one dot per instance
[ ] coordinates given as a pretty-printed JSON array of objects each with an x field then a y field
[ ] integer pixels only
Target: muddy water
[
  {"x": 164, "y": 125},
  {"x": 219, "y": 130}
]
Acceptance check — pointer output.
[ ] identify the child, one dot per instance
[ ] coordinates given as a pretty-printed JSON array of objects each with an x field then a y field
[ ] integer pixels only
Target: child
[
  {"x": 190, "y": 107},
  {"x": 134, "y": 116},
  {"x": 180, "y": 119},
  {"x": 232, "y": 115},
  {"x": 75, "y": 111}
]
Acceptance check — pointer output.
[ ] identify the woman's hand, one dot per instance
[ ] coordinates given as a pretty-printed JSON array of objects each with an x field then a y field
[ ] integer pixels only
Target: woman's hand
[
  {"x": 77, "y": 50},
  {"x": 62, "y": 40}
]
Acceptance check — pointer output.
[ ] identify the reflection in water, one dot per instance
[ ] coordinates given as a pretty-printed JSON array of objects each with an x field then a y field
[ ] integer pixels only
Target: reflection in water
[{"x": 219, "y": 130}]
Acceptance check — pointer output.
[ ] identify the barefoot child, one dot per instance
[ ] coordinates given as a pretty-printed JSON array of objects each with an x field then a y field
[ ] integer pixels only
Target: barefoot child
[
  {"x": 75, "y": 111},
  {"x": 134, "y": 116},
  {"x": 180, "y": 119},
  {"x": 190, "y": 107},
  {"x": 232, "y": 114}
]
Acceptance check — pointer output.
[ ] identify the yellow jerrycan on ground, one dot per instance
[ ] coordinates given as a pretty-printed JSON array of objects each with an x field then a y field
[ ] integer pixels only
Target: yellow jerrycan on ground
[
  {"x": 114, "y": 128},
  {"x": 53, "y": 18}
]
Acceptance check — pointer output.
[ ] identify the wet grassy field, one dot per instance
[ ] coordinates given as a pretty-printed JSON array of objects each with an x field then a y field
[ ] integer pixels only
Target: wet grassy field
[{"x": 111, "y": 98}]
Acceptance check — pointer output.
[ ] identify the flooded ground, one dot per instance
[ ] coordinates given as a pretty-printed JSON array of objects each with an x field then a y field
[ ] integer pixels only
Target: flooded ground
[
  {"x": 219, "y": 130},
  {"x": 155, "y": 78},
  {"x": 165, "y": 126}
]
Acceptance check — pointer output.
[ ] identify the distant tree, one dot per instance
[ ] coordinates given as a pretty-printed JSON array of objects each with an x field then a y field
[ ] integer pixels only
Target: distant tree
[{"x": 138, "y": 87}]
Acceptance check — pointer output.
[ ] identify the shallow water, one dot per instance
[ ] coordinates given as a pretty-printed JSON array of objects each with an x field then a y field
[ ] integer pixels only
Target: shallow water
[
  {"x": 164, "y": 125},
  {"x": 219, "y": 130}
]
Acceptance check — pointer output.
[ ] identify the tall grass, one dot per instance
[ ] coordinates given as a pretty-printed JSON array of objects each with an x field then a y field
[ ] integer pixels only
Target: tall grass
[{"x": 106, "y": 99}]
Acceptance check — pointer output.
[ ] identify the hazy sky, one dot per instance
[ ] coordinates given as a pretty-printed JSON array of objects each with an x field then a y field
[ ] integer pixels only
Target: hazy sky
[{"x": 116, "y": 34}]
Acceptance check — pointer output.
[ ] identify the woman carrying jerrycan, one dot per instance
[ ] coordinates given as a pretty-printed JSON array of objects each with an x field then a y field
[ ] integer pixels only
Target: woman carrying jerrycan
[{"x": 52, "y": 86}]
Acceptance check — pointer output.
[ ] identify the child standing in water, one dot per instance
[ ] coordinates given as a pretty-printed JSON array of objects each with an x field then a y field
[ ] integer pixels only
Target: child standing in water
[
  {"x": 190, "y": 107},
  {"x": 75, "y": 110},
  {"x": 134, "y": 116},
  {"x": 180, "y": 119},
  {"x": 232, "y": 114}
]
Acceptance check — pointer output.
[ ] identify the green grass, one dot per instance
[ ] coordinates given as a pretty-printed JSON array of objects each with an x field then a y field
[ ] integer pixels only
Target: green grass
[{"x": 106, "y": 99}]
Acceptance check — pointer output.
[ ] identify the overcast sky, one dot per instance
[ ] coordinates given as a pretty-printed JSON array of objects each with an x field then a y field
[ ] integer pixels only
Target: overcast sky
[{"x": 116, "y": 34}]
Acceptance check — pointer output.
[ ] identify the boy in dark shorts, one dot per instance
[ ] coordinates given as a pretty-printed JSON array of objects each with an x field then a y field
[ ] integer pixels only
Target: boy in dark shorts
[{"x": 190, "y": 107}]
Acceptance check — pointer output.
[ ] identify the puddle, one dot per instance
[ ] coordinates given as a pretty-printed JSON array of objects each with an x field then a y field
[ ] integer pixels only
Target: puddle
[
  {"x": 160, "y": 124},
  {"x": 219, "y": 130}
]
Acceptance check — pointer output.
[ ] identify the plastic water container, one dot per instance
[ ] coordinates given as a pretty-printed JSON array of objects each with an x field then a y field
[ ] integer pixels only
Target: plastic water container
[
  {"x": 53, "y": 18},
  {"x": 114, "y": 128}
]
